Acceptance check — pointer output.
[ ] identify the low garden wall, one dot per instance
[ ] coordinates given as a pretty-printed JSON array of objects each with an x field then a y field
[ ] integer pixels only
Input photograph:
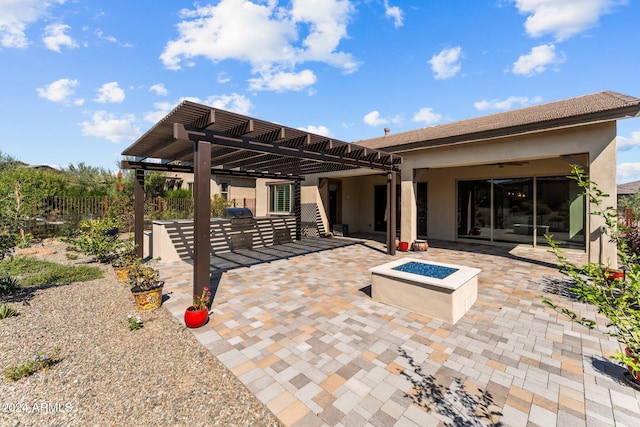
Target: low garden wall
[{"x": 173, "y": 240}]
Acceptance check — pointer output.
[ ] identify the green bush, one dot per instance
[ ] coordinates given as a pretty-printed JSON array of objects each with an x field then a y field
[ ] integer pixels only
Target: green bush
[
  {"x": 181, "y": 193},
  {"x": 218, "y": 204},
  {"x": 7, "y": 311},
  {"x": 98, "y": 238},
  {"x": 7, "y": 245},
  {"x": 8, "y": 285},
  {"x": 616, "y": 299}
]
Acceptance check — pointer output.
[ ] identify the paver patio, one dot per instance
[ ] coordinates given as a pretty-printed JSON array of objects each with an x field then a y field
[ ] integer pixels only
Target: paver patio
[{"x": 304, "y": 336}]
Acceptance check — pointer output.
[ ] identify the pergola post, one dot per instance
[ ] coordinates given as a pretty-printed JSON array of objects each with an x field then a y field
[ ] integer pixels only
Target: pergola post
[
  {"x": 138, "y": 211},
  {"x": 297, "y": 209},
  {"x": 201, "y": 216},
  {"x": 391, "y": 212}
]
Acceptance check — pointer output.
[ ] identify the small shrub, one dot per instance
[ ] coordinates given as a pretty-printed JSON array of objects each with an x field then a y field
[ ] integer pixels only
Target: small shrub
[
  {"x": 8, "y": 285},
  {"x": 25, "y": 241},
  {"x": 71, "y": 256},
  {"x": 98, "y": 238},
  {"x": 7, "y": 311},
  {"x": 135, "y": 322},
  {"x": 7, "y": 245},
  {"x": 39, "y": 362}
]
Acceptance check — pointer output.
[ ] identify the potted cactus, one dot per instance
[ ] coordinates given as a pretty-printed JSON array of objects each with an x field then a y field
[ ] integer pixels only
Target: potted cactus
[
  {"x": 146, "y": 286},
  {"x": 197, "y": 314}
]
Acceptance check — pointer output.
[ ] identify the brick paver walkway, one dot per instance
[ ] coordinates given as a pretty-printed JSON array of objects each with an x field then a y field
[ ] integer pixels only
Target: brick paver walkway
[{"x": 305, "y": 337}]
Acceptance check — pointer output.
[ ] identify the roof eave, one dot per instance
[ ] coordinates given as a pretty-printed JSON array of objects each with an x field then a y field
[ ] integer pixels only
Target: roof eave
[{"x": 541, "y": 126}]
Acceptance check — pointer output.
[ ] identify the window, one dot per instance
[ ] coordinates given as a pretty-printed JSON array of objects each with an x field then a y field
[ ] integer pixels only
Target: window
[
  {"x": 224, "y": 190},
  {"x": 515, "y": 210},
  {"x": 280, "y": 198}
]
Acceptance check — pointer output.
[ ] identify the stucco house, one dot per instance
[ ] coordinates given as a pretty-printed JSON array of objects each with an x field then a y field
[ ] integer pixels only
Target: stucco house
[
  {"x": 496, "y": 179},
  {"x": 500, "y": 178}
]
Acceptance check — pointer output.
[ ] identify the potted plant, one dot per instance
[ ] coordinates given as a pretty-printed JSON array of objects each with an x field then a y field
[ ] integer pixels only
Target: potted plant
[
  {"x": 197, "y": 314},
  {"x": 618, "y": 300},
  {"x": 125, "y": 257},
  {"x": 146, "y": 286}
]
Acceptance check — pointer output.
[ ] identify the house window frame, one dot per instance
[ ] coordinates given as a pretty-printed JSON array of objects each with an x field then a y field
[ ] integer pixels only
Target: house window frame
[
  {"x": 272, "y": 209},
  {"x": 225, "y": 188}
]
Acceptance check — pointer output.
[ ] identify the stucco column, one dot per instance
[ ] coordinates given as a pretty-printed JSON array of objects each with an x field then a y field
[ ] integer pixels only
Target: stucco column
[
  {"x": 600, "y": 164},
  {"x": 408, "y": 208}
]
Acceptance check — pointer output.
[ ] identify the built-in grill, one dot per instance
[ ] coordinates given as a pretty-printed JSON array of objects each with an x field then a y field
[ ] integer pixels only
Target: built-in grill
[
  {"x": 242, "y": 227},
  {"x": 239, "y": 216}
]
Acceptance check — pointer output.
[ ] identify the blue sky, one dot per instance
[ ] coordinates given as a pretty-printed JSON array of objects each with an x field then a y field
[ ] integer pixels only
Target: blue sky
[{"x": 81, "y": 80}]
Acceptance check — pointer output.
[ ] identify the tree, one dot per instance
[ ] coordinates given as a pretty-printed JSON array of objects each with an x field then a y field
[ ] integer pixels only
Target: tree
[
  {"x": 22, "y": 190},
  {"x": 8, "y": 162},
  {"x": 632, "y": 202},
  {"x": 85, "y": 180}
]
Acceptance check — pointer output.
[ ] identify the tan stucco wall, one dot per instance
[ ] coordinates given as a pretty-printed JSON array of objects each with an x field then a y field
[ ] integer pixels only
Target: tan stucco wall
[
  {"x": 546, "y": 154},
  {"x": 239, "y": 188}
]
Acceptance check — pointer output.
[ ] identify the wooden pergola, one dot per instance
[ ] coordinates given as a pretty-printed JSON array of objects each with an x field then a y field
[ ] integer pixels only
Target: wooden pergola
[{"x": 203, "y": 140}]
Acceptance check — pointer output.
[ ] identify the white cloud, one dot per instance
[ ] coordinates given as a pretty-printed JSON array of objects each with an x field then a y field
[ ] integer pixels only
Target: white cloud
[
  {"x": 427, "y": 116},
  {"x": 54, "y": 37},
  {"x": 110, "y": 92},
  {"x": 624, "y": 143},
  {"x": 393, "y": 12},
  {"x": 223, "y": 77},
  {"x": 563, "y": 18},
  {"x": 318, "y": 130},
  {"x": 628, "y": 172},
  {"x": 282, "y": 81},
  {"x": 373, "y": 119},
  {"x": 159, "y": 89},
  {"x": 111, "y": 127},
  {"x": 446, "y": 63},
  {"x": 266, "y": 36},
  {"x": 58, "y": 91},
  {"x": 506, "y": 104},
  {"x": 237, "y": 103},
  {"x": 17, "y": 15},
  {"x": 537, "y": 61},
  {"x": 162, "y": 109}
]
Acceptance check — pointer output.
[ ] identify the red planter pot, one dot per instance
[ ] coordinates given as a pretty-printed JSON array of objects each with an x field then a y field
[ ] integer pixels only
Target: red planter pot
[
  {"x": 629, "y": 368},
  {"x": 612, "y": 275},
  {"x": 403, "y": 246},
  {"x": 195, "y": 318}
]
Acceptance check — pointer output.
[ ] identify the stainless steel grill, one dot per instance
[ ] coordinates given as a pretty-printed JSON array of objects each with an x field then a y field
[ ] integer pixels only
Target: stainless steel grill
[{"x": 239, "y": 216}]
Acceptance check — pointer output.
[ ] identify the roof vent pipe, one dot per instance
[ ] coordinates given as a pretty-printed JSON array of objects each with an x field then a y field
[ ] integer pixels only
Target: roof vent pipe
[{"x": 386, "y": 131}]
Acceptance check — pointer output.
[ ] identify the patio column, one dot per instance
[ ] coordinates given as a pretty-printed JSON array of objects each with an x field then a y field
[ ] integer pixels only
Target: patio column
[
  {"x": 201, "y": 216},
  {"x": 408, "y": 206},
  {"x": 391, "y": 213},
  {"x": 138, "y": 212},
  {"x": 297, "y": 208}
]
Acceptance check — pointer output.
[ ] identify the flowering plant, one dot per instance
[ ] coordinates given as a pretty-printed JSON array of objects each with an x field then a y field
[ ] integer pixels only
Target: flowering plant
[
  {"x": 202, "y": 302},
  {"x": 135, "y": 322}
]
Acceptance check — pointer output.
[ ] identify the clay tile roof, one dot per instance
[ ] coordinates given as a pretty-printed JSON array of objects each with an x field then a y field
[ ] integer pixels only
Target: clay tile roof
[{"x": 593, "y": 108}]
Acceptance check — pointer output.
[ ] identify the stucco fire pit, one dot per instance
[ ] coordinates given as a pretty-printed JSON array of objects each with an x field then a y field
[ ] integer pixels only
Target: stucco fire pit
[{"x": 442, "y": 291}]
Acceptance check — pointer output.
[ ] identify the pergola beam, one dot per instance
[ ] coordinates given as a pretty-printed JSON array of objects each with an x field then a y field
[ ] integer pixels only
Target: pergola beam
[{"x": 182, "y": 132}]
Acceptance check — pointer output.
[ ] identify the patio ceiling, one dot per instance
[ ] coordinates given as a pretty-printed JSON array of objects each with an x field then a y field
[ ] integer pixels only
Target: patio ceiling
[{"x": 244, "y": 145}]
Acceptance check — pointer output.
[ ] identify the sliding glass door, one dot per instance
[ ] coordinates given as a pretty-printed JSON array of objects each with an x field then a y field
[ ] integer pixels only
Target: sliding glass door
[
  {"x": 522, "y": 210},
  {"x": 513, "y": 210}
]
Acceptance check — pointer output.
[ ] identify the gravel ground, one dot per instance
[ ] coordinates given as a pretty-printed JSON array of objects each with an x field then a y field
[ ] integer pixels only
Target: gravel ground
[{"x": 108, "y": 375}]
